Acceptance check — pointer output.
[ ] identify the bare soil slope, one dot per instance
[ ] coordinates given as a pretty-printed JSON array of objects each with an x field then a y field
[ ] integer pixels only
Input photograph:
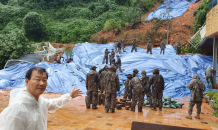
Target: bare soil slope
[{"x": 180, "y": 29}]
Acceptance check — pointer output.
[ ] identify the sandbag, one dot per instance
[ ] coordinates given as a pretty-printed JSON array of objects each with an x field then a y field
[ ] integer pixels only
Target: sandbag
[{"x": 172, "y": 106}]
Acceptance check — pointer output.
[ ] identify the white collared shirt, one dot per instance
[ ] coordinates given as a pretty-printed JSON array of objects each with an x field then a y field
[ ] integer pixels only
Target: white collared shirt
[{"x": 25, "y": 113}]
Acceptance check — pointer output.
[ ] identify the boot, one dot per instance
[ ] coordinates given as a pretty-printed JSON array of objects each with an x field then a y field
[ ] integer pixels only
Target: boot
[
  {"x": 154, "y": 109},
  {"x": 160, "y": 108},
  {"x": 132, "y": 109},
  {"x": 88, "y": 107},
  {"x": 106, "y": 110},
  {"x": 139, "y": 109},
  {"x": 197, "y": 116},
  {"x": 94, "y": 107},
  {"x": 112, "y": 110},
  {"x": 189, "y": 116}
]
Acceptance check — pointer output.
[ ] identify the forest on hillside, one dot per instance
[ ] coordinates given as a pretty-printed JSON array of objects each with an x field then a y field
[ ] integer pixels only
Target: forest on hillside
[{"x": 23, "y": 22}]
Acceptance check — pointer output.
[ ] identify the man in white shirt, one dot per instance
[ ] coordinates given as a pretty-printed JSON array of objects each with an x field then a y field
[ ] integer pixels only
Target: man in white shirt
[{"x": 27, "y": 110}]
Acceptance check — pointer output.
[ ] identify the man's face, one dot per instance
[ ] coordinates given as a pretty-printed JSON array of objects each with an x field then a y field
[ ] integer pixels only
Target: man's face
[
  {"x": 107, "y": 69},
  {"x": 112, "y": 50},
  {"x": 37, "y": 83}
]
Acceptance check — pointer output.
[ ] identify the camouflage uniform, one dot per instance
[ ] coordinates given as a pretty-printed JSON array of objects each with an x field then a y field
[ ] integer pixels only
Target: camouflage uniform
[
  {"x": 112, "y": 85},
  {"x": 105, "y": 56},
  {"x": 136, "y": 85},
  {"x": 208, "y": 74},
  {"x": 102, "y": 75},
  {"x": 197, "y": 87},
  {"x": 112, "y": 56},
  {"x": 122, "y": 44},
  {"x": 92, "y": 83},
  {"x": 162, "y": 46},
  {"x": 145, "y": 84},
  {"x": 128, "y": 92},
  {"x": 157, "y": 82},
  {"x": 178, "y": 48},
  {"x": 149, "y": 48},
  {"x": 134, "y": 45},
  {"x": 117, "y": 45},
  {"x": 118, "y": 63}
]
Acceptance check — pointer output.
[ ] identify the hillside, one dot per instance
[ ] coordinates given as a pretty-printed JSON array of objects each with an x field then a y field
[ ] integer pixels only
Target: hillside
[{"x": 180, "y": 29}]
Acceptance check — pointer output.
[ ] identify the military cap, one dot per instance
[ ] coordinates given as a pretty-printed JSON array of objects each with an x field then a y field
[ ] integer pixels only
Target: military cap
[
  {"x": 129, "y": 76},
  {"x": 117, "y": 55},
  {"x": 93, "y": 67},
  {"x": 135, "y": 70},
  {"x": 106, "y": 67},
  {"x": 143, "y": 72}
]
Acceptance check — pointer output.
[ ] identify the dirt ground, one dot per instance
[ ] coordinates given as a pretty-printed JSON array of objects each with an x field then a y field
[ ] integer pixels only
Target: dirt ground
[
  {"x": 180, "y": 29},
  {"x": 75, "y": 116}
]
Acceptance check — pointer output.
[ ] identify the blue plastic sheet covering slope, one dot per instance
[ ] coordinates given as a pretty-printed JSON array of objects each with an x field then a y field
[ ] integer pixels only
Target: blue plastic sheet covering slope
[
  {"x": 177, "y": 8},
  {"x": 176, "y": 70}
]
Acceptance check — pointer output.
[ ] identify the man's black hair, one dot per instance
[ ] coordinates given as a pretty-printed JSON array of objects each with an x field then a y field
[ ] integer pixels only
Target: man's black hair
[{"x": 39, "y": 69}]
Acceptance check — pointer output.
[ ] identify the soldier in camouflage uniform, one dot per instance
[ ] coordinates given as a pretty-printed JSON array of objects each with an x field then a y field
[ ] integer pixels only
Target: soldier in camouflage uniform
[
  {"x": 149, "y": 47},
  {"x": 157, "y": 82},
  {"x": 178, "y": 48},
  {"x": 106, "y": 52},
  {"x": 138, "y": 93},
  {"x": 162, "y": 46},
  {"x": 127, "y": 92},
  {"x": 112, "y": 56},
  {"x": 112, "y": 85},
  {"x": 102, "y": 75},
  {"x": 197, "y": 87},
  {"x": 118, "y": 63},
  {"x": 92, "y": 84},
  {"x": 145, "y": 83},
  {"x": 134, "y": 45},
  {"x": 117, "y": 44},
  {"x": 208, "y": 74},
  {"x": 122, "y": 44}
]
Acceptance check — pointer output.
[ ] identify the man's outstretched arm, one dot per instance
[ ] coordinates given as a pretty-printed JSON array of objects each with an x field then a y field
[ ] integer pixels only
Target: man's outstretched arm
[{"x": 65, "y": 99}]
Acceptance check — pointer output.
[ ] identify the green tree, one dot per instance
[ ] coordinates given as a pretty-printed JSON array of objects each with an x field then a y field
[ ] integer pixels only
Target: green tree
[
  {"x": 13, "y": 45},
  {"x": 34, "y": 26},
  {"x": 111, "y": 24}
]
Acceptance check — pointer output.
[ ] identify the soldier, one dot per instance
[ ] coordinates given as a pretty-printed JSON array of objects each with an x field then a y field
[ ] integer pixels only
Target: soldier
[
  {"x": 136, "y": 85},
  {"x": 123, "y": 45},
  {"x": 112, "y": 56},
  {"x": 118, "y": 63},
  {"x": 149, "y": 48},
  {"x": 117, "y": 45},
  {"x": 102, "y": 75},
  {"x": 145, "y": 84},
  {"x": 208, "y": 74},
  {"x": 128, "y": 92},
  {"x": 157, "y": 82},
  {"x": 178, "y": 48},
  {"x": 106, "y": 52},
  {"x": 92, "y": 83},
  {"x": 112, "y": 85},
  {"x": 197, "y": 87},
  {"x": 162, "y": 46},
  {"x": 134, "y": 45}
]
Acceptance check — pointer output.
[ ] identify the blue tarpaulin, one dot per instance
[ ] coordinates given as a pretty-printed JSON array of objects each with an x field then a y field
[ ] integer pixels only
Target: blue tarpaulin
[
  {"x": 176, "y": 9},
  {"x": 177, "y": 70}
]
